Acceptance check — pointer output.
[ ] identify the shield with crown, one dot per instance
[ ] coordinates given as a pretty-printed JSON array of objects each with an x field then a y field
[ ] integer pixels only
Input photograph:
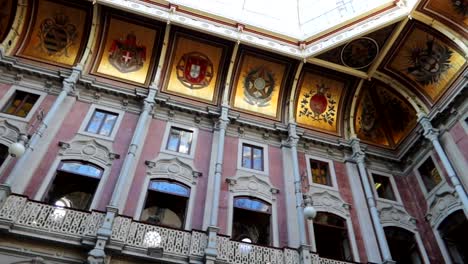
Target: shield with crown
[
  {"x": 126, "y": 55},
  {"x": 195, "y": 70},
  {"x": 56, "y": 35}
]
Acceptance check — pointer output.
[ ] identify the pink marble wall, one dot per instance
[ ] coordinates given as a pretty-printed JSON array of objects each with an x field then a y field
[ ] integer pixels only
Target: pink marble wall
[
  {"x": 461, "y": 138},
  {"x": 151, "y": 150},
  {"x": 4, "y": 89},
  {"x": 415, "y": 204}
]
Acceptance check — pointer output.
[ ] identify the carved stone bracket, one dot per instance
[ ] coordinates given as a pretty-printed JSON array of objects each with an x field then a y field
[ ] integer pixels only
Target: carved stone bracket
[
  {"x": 173, "y": 169},
  {"x": 89, "y": 150},
  {"x": 396, "y": 215},
  {"x": 8, "y": 132},
  {"x": 442, "y": 204},
  {"x": 329, "y": 201},
  {"x": 253, "y": 185}
]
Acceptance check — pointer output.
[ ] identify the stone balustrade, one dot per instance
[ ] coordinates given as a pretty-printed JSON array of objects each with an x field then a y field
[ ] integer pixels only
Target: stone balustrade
[{"x": 20, "y": 215}]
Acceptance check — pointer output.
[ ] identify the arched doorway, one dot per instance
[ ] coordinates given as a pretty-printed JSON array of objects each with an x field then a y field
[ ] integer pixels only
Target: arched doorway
[
  {"x": 331, "y": 237},
  {"x": 454, "y": 232},
  {"x": 403, "y": 245}
]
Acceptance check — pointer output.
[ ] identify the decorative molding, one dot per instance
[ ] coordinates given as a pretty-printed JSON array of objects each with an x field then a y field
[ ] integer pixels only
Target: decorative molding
[
  {"x": 330, "y": 201},
  {"x": 9, "y": 133},
  {"x": 89, "y": 150},
  {"x": 173, "y": 169},
  {"x": 254, "y": 186},
  {"x": 441, "y": 204},
  {"x": 396, "y": 215}
]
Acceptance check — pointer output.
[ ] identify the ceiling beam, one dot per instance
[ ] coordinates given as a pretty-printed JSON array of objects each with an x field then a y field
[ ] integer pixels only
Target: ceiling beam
[
  {"x": 339, "y": 68},
  {"x": 386, "y": 47}
]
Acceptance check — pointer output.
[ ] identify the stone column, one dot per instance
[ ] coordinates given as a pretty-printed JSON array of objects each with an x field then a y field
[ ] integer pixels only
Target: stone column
[
  {"x": 18, "y": 178},
  {"x": 211, "y": 250},
  {"x": 304, "y": 249},
  {"x": 97, "y": 254},
  {"x": 358, "y": 157},
  {"x": 433, "y": 135}
]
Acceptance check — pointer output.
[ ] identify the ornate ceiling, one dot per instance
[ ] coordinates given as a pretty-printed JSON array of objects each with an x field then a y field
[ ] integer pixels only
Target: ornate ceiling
[{"x": 380, "y": 70}]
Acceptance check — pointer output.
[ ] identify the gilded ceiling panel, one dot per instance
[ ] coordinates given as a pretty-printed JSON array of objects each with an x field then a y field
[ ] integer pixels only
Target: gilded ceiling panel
[
  {"x": 426, "y": 60},
  {"x": 58, "y": 32},
  {"x": 127, "y": 51},
  {"x": 453, "y": 13},
  {"x": 383, "y": 117},
  {"x": 7, "y": 13},
  {"x": 195, "y": 67},
  {"x": 259, "y": 84},
  {"x": 319, "y": 101}
]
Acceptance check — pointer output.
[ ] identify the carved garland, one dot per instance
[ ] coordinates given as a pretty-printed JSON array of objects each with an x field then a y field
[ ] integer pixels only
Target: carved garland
[
  {"x": 173, "y": 169},
  {"x": 327, "y": 201},
  {"x": 8, "y": 133},
  {"x": 395, "y": 215},
  {"x": 444, "y": 202},
  {"x": 88, "y": 150},
  {"x": 254, "y": 186}
]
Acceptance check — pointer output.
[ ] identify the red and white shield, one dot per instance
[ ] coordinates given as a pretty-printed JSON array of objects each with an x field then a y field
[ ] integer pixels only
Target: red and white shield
[{"x": 195, "y": 70}]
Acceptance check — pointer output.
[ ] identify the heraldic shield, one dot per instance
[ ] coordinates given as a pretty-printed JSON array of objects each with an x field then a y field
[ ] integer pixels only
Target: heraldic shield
[
  {"x": 126, "y": 56},
  {"x": 195, "y": 70}
]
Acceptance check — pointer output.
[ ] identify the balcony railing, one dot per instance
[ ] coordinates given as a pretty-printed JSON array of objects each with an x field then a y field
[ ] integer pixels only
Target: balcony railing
[{"x": 31, "y": 218}]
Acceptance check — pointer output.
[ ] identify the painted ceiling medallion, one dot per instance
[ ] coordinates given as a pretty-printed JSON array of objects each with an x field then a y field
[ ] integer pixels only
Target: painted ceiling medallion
[
  {"x": 429, "y": 63},
  {"x": 359, "y": 53},
  {"x": 126, "y": 55},
  {"x": 259, "y": 85},
  {"x": 195, "y": 70},
  {"x": 460, "y": 6},
  {"x": 56, "y": 35},
  {"x": 318, "y": 105}
]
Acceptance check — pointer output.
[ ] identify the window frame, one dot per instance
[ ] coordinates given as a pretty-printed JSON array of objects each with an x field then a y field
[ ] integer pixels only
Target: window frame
[
  {"x": 165, "y": 140},
  {"x": 8, "y": 96},
  {"x": 179, "y": 139},
  {"x": 265, "y": 159},
  {"x": 86, "y": 121},
  {"x": 429, "y": 155},
  {"x": 397, "y": 200},
  {"x": 331, "y": 169}
]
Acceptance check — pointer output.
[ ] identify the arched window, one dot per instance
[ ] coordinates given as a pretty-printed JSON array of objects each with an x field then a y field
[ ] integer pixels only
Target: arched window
[
  {"x": 403, "y": 245},
  {"x": 166, "y": 203},
  {"x": 3, "y": 154},
  {"x": 331, "y": 237},
  {"x": 74, "y": 185},
  {"x": 453, "y": 231},
  {"x": 251, "y": 221}
]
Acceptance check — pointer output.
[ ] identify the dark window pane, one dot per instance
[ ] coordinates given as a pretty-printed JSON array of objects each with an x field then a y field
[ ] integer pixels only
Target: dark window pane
[
  {"x": 3, "y": 153},
  {"x": 20, "y": 104},
  {"x": 429, "y": 174},
  {"x": 383, "y": 187},
  {"x": 331, "y": 237}
]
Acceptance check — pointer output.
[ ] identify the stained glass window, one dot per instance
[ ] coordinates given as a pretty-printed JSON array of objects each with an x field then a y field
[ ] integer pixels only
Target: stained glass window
[
  {"x": 251, "y": 204},
  {"x": 320, "y": 172},
  {"x": 20, "y": 103},
  {"x": 169, "y": 187},
  {"x": 180, "y": 140},
  {"x": 252, "y": 157},
  {"x": 102, "y": 123}
]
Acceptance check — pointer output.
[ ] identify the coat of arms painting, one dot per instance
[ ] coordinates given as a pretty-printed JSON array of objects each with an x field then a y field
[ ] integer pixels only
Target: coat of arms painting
[
  {"x": 319, "y": 101},
  {"x": 194, "y": 68},
  {"x": 258, "y": 86},
  {"x": 126, "y": 54},
  {"x": 57, "y": 34},
  {"x": 426, "y": 61}
]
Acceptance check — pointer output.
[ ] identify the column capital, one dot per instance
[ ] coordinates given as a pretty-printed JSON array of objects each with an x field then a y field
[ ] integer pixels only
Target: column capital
[
  {"x": 70, "y": 81},
  {"x": 430, "y": 132},
  {"x": 358, "y": 155},
  {"x": 293, "y": 138}
]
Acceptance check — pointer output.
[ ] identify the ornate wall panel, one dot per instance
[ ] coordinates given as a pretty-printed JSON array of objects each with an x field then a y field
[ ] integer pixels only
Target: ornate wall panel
[
  {"x": 7, "y": 13},
  {"x": 319, "y": 101},
  {"x": 128, "y": 49},
  {"x": 453, "y": 13},
  {"x": 259, "y": 83},
  {"x": 425, "y": 60},
  {"x": 196, "y": 66},
  {"x": 58, "y": 32}
]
